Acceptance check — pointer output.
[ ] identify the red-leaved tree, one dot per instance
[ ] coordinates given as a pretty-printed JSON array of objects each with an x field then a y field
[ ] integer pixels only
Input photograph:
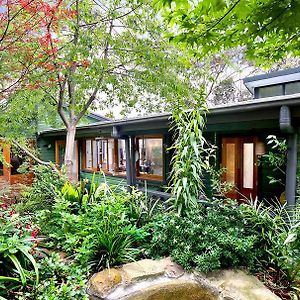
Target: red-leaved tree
[{"x": 26, "y": 27}]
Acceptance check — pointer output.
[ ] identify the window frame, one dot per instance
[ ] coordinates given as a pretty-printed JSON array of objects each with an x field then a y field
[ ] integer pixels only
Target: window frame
[
  {"x": 57, "y": 144},
  {"x": 257, "y": 90},
  {"x": 151, "y": 177},
  {"x": 115, "y": 157}
]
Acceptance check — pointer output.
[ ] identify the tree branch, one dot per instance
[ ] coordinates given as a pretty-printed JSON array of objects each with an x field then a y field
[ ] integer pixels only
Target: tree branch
[
  {"x": 35, "y": 158},
  {"x": 96, "y": 89}
]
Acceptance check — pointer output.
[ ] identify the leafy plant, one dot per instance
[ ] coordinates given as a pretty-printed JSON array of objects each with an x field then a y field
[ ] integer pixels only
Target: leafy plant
[
  {"x": 18, "y": 267},
  {"x": 275, "y": 158},
  {"x": 99, "y": 233},
  {"x": 142, "y": 208},
  {"x": 44, "y": 189},
  {"x": 280, "y": 232},
  {"x": 190, "y": 157},
  {"x": 207, "y": 238},
  {"x": 61, "y": 280}
]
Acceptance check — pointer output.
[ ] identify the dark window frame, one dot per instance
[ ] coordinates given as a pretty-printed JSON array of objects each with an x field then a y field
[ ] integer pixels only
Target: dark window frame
[{"x": 283, "y": 87}]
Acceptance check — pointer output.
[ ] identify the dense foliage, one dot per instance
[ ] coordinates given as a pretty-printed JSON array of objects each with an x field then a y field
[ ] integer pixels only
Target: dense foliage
[
  {"x": 44, "y": 189},
  {"x": 279, "y": 231},
  {"x": 96, "y": 229},
  {"x": 18, "y": 268},
  {"x": 266, "y": 29},
  {"x": 96, "y": 226},
  {"x": 60, "y": 280},
  {"x": 208, "y": 238}
]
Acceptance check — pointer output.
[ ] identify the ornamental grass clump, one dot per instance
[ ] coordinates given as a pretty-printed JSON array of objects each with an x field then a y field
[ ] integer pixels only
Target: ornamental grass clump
[{"x": 279, "y": 231}]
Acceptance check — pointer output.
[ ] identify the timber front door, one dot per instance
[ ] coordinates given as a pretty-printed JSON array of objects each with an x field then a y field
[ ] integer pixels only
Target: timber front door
[{"x": 240, "y": 162}]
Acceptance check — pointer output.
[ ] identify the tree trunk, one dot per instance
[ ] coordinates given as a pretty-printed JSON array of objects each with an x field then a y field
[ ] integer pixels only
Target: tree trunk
[{"x": 70, "y": 162}]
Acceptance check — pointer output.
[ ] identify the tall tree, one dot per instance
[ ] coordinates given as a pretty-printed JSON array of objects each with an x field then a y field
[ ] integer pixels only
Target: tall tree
[
  {"x": 110, "y": 52},
  {"x": 269, "y": 29}
]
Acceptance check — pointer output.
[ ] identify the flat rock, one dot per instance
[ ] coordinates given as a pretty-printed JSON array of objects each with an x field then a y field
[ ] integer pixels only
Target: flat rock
[
  {"x": 148, "y": 268},
  {"x": 238, "y": 285},
  {"x": 174, "y": 289},
  {"x": 103, "y": 283}
]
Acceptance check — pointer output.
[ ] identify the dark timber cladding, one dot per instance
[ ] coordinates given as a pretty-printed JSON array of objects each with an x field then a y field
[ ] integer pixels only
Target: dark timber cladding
[{"x": 257, "y": 117}]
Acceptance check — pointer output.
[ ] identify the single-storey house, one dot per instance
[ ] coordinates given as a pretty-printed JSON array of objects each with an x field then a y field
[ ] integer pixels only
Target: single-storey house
[{"x": 135, "y": 151}]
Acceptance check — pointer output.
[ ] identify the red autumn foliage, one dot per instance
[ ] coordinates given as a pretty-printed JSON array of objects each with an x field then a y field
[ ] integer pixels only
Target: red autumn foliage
[{"x": 28, "y": 32}]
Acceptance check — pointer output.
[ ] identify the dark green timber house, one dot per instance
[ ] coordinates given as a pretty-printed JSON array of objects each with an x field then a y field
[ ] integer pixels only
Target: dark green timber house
[{"x": 134, "y": 152}]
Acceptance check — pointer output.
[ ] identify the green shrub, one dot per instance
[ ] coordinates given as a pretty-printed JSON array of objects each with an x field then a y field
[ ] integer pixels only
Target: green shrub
[
  {"x": 43, "y": 191},
  {"x": 99, "y": 233},
  {"x": 279, "y": 232},
  {"x": 18, "y": 268},
  {"x": 60, "y": 280},
  {"x": 207, "y": 238}
]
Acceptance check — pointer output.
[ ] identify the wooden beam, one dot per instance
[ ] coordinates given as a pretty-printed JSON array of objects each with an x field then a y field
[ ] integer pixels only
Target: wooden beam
[{"x": 6, "y": 165}]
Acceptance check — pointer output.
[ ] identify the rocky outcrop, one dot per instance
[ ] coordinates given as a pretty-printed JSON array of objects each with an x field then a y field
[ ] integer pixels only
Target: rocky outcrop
[{"x": 164, "y": 280}]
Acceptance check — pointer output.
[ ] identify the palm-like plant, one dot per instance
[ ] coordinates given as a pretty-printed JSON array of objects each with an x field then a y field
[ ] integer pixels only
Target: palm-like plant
[{"x": 18, "y": 268}]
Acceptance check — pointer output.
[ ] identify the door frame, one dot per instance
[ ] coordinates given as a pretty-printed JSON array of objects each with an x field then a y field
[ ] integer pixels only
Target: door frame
[{"x": 239, "y": 141}]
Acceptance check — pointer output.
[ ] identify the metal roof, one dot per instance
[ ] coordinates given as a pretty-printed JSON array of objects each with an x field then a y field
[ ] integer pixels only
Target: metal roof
[
  {"x": 229, "y": 111},
  {"x": 98, "y": 117}
]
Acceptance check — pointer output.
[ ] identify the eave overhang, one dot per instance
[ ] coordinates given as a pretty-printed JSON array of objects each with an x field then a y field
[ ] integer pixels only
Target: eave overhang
[{"x": 259, "y": 110}]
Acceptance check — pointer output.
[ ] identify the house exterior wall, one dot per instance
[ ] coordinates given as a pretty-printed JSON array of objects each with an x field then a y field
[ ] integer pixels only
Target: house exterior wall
[
  {"x": 46, "y": 148},
  {"x": 265, "y": 189}
]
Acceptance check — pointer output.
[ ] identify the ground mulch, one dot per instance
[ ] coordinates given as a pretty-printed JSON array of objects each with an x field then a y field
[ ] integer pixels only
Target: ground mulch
[
  {"x": 276, "y": 282},
  {"x": 10, "y": 194}
]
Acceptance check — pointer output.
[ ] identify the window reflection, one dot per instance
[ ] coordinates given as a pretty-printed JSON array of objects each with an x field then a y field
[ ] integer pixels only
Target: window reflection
[
  {"x": 230, "y": 163},
  {"x": 271, "y": 91},
  {"x": 107, "y": 155},
  {"x": 248, "y": 165},
  {"x": 122, "y": 156},
  {"x": 150, "y": 160},
  {"x": 292, "y": 88}
]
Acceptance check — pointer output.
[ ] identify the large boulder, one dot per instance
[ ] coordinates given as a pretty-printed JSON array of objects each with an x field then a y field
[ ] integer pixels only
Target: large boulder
[
  {"x": 238, "y": 285},
  {"x": 164, "y": 280}
]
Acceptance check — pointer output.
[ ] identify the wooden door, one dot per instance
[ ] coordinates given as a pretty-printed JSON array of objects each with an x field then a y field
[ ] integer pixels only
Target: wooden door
[{"x": 240, "y": 162}]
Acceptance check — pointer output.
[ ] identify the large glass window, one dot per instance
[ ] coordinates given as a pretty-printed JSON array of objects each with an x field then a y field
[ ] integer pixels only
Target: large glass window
[
  {"x": 270, "y": 91},
  {"x": 150, "y": 157},
  {"x": 107, "y": 155},
  {"x": 292, "y": 88}
]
